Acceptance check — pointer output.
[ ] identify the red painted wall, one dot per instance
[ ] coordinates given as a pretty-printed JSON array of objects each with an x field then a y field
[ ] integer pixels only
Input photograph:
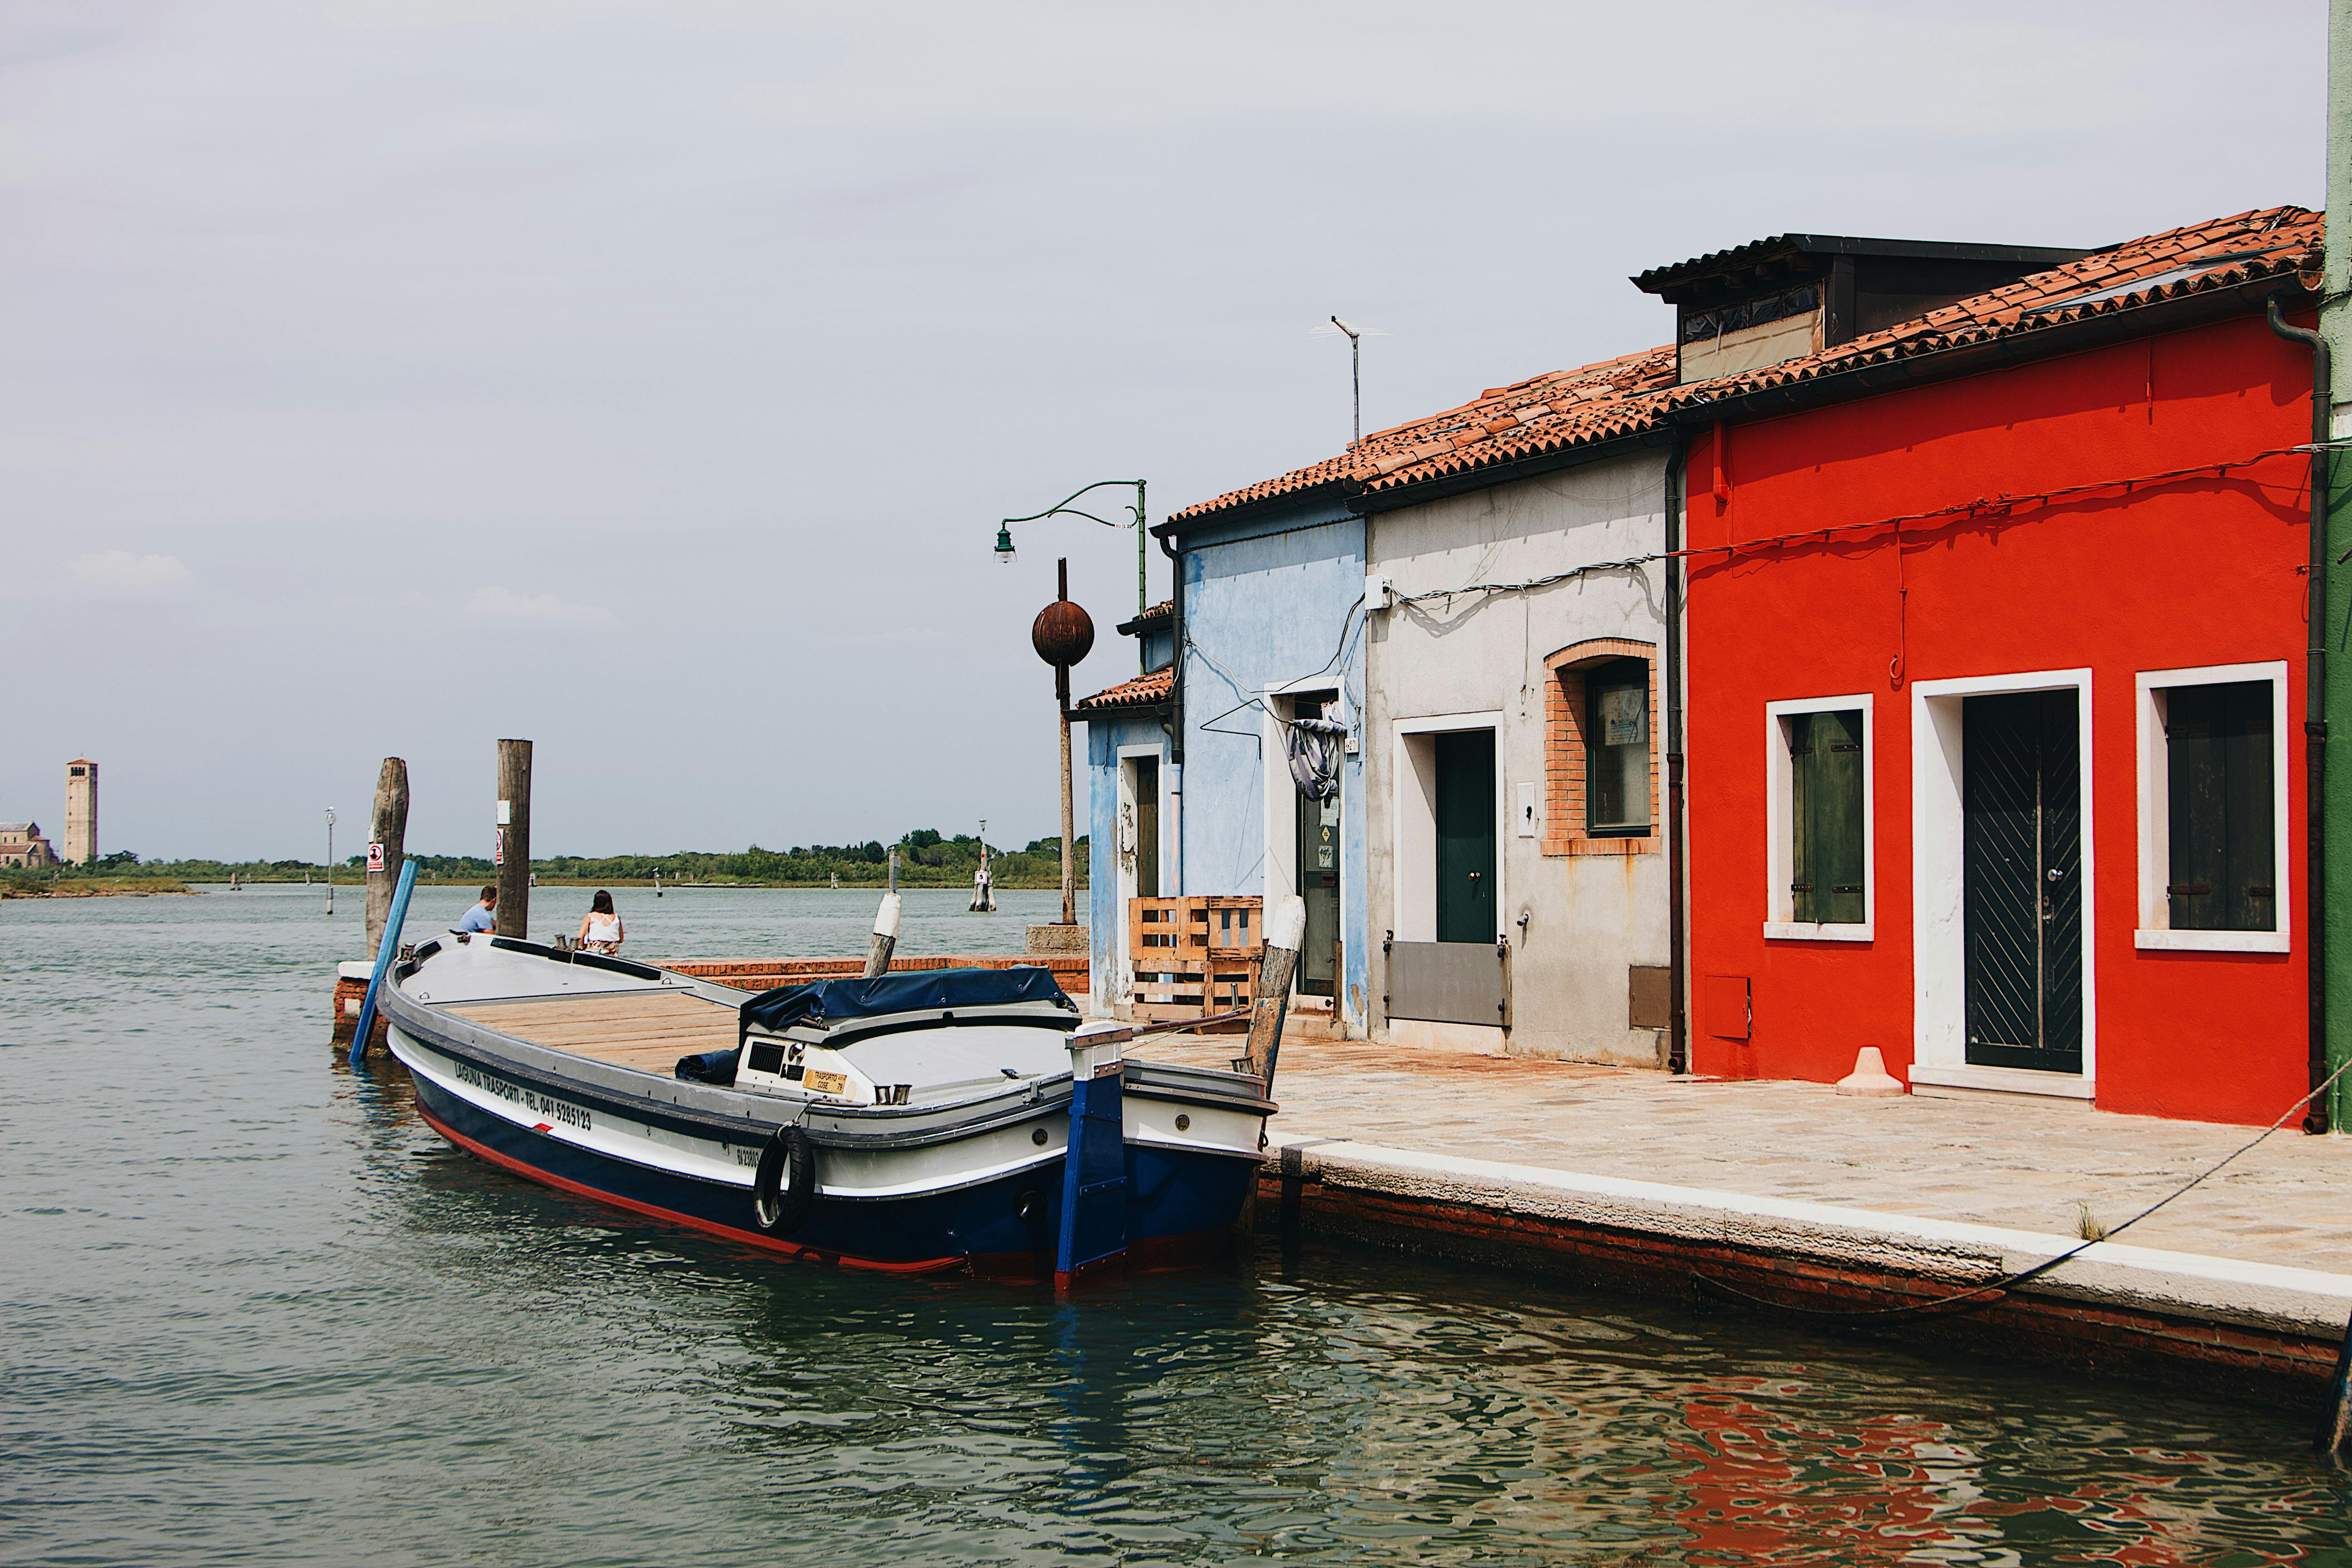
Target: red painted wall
[{"x": 2193, "y": 571}]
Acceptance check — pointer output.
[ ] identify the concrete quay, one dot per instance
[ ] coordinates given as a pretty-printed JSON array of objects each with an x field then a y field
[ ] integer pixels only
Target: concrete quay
[{"x": 1790, "y": 1192}]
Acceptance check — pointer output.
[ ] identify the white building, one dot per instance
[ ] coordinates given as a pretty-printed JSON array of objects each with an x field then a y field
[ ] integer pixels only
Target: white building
[{"x": 1512, "y": 735}]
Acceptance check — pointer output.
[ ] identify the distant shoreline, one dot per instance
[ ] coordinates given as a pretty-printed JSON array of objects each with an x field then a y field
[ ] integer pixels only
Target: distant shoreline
[{"x": 91, "y": 888}]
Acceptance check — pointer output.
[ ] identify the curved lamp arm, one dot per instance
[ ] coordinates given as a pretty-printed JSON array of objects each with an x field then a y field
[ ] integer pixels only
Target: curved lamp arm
[{"x": 1136, "y": 517}]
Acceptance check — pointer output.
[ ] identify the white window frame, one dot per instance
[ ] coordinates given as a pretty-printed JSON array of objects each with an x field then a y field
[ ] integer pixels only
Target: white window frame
[
  {"x": 1121, "y": 978},
  {"x": 1781, "y": 828},
  {"x": 1280, "y": 791},
  {"x": 2155, "y": 926},
  {"x": 1412, "y": 823},
  {"x": 1940, "y": 974}
]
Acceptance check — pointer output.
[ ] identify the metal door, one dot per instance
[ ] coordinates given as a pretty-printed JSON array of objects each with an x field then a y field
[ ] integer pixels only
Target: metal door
[
  {"x": 1466, "y": 836},
  {"x": 2021, "y": 782}
]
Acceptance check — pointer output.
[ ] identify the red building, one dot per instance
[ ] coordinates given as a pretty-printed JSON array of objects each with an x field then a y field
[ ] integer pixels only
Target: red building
[{"x": 1995, "y": 672}]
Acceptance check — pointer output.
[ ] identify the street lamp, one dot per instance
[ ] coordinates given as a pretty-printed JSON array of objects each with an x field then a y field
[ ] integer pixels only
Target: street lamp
[
  {"x": 330, "y": 862},
  {"x": 1138, "y": 517}
]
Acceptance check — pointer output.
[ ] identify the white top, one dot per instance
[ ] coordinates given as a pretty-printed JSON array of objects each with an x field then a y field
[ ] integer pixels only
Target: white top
[{"x": 604, "y": 928}]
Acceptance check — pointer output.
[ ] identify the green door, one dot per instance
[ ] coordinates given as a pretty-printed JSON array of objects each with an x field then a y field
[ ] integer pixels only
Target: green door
[
  {"x": 1318, "y": 870},
  {"x": 1466, "y": 836},
  {"x": 2022, "y": 789}
]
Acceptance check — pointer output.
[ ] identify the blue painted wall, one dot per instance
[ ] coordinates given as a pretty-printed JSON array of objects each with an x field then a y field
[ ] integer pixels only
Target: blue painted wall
[{"x": 1270, "y": 601}]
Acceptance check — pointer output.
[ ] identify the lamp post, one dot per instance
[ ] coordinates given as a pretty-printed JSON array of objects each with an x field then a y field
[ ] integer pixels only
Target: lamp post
[
  {"x": 1138, "y": 513},
  {"x": 330, "y": 862},
  {"x": 1063, "y": 635}
]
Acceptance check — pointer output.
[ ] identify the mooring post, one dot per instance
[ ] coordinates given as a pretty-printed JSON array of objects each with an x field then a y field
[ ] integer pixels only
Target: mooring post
[
  {"x": 514, "y": 839},
  {"x": 1284, "y": 932},
  {"x": 1094, "y": 1160},
  {"x": 2335, "y": 1436},
  {"x": 385, "y": 951},
  {"x": 387, "y": 844},
  {"x": 886, "y": 925}
]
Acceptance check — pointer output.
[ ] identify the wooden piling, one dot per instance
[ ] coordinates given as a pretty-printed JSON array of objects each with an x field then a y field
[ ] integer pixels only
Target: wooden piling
[
  {"x": 388, "y": 829},
  {"x": 1285, "y": 931},
  {"x": 886, "y": 925},
  {"x": 514, "y": 838}
]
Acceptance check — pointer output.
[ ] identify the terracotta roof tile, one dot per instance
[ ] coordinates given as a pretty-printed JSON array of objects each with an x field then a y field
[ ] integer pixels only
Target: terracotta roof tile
[
  {"x": 1143, "y": 691},
  {"x": 1634, "y": 393}
]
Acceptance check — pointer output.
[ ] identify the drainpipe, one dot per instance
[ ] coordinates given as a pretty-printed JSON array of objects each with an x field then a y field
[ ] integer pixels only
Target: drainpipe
[
  {"x": 2315, "y": 715},
  {"x": 1678, "y": 1015},
  {"x": 1176, "y": 715}
]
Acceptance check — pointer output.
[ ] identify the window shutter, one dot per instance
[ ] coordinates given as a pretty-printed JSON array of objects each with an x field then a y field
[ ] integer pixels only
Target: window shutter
[
  {"x": 1825, "y": 773},
  {"x": 2219, "y": 779}
]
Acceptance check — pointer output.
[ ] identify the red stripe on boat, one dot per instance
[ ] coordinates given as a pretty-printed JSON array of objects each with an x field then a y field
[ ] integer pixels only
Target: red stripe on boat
[{"x": 547, "y": 1179}]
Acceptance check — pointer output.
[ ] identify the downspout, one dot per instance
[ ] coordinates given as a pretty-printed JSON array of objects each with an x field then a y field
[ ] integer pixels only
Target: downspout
[
  {"x": 1176, "y": 715},
  {"x": 1678, "y": 1015},
  {"x": 2315, "y": 714}
]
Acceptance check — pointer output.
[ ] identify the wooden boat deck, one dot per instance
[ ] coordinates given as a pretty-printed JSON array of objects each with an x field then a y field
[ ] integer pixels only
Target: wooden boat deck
[{"x": 647, "y": 1030}]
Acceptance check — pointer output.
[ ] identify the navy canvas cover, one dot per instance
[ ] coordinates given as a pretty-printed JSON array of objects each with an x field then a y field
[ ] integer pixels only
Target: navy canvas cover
[
  {"x": 711, "y": 1067},
  {"x": 909, "y": 991}
]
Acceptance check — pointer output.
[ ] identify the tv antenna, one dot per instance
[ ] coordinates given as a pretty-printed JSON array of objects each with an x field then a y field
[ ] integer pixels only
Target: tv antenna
[{"x": 1355, "y": 336}]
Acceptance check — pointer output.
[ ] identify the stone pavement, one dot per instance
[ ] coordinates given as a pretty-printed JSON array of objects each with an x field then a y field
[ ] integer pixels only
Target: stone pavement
[{"x": 2019, "y": 1166}]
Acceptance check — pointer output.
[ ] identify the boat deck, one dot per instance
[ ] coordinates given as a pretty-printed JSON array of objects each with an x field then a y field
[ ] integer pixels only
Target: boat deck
[{"x": 647, "y": 1030}]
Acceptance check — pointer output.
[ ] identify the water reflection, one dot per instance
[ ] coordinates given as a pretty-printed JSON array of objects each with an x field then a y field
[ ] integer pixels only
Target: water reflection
[{"x": 268, "y": 1316}]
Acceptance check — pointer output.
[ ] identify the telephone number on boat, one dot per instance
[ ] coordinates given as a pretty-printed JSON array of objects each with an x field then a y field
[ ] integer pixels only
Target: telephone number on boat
[{"x": 530, "y": 1099}]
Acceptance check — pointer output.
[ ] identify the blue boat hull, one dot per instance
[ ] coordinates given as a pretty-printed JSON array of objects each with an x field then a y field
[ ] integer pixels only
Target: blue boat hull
[{"x": 1181, "y": 1206}]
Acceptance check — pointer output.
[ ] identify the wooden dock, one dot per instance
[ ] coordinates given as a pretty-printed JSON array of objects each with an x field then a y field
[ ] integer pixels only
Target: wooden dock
[{"x": 1071, "y": 971}]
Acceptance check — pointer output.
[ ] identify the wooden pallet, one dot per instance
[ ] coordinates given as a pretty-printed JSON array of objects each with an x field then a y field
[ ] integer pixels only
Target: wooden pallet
[{"x": 1192, "y": 956}]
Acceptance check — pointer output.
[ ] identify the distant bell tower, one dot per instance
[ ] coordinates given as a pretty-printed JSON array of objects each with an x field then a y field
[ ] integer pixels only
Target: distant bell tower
[{"x": 81, "y": 812}]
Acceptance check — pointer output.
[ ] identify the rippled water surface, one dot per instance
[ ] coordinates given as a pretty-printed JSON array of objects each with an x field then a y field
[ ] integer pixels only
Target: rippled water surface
[{"x": 252, "y": 1310}]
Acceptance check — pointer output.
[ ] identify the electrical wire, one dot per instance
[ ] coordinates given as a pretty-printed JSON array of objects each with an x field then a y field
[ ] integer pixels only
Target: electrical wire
[{"x": 2001, "y": 1286}]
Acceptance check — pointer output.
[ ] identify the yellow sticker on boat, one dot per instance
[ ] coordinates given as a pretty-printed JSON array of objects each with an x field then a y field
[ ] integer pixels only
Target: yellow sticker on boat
[{"x": 826, "y": 1082}]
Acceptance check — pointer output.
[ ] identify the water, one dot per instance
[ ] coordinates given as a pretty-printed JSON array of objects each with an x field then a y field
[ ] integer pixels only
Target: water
[{"x": 252, "y": 1310}]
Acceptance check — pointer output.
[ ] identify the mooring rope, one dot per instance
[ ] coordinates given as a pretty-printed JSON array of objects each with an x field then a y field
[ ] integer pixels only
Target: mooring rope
[{"x": 1995, "y": 1289}]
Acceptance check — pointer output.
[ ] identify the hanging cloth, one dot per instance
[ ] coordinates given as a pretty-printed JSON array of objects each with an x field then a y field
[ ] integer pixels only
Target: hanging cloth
[{"x": 1314, "y": 747}]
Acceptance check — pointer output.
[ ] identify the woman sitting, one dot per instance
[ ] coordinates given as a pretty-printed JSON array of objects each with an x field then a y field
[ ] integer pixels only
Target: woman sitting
[{"x": 600, "y": 929}]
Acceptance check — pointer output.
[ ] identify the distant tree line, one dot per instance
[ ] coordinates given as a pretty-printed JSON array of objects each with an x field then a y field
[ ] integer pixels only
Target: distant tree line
[{"x": 925, "y": 859}]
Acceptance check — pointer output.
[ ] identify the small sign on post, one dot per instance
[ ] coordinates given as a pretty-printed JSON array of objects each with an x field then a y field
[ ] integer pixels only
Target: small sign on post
[
  {"x": 375, "y": 857},
  {"x": 498, "y": 848}
]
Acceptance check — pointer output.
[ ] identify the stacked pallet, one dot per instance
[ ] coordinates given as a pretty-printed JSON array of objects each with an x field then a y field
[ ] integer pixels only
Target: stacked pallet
[{"x": 1192, "y": 957}]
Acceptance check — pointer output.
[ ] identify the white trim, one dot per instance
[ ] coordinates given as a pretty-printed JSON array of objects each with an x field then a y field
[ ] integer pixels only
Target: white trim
[
  {"x": 1780, "y": 828},
  {"x": 1280, "y": 801},
  {"x": 1939, "y": 989},
  {"x": 1117, "y": 986},
  {"x": 2156, "y": 812},
  {"x": 2004, "y": 1080},
  {"x": 1412, "y": 823}
]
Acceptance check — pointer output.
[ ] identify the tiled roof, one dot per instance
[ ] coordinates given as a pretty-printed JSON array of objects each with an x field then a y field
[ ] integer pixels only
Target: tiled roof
[
  {"x": 1143, "y": 691},
  {"x": 1781, "y": 249},
  {"x": 1570, "y": 407},
  {"x": 1158, "y": 614},
  {"x": 1628, "y": 396}
]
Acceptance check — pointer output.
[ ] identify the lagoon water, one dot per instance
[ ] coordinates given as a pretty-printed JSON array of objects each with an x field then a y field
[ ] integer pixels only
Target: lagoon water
[{"x": 251, "y": 1310}]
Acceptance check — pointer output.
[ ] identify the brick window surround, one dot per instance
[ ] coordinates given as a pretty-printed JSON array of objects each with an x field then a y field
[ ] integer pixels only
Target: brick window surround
[{"x": 1564, "y": 748}]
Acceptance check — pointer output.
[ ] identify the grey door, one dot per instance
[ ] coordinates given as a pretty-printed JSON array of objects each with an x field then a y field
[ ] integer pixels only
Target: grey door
[
  {"x": 1466, "y": 836},
  {"x": 2021, "y": 788}
]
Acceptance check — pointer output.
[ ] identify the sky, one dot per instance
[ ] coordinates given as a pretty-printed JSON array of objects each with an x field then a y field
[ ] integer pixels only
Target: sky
[{"x": 647, "y": 380}]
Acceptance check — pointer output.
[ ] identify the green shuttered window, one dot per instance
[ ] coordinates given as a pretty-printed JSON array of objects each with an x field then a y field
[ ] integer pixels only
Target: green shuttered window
[
  {"x": 1825, "y": 778},
  {"x": 2218, "y": 788}
]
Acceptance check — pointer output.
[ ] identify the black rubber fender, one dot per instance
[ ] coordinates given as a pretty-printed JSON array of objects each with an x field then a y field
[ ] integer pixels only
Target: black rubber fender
[{"x": 785, "y": 1186}]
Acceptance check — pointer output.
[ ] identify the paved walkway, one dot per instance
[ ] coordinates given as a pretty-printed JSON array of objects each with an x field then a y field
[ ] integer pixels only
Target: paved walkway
[{"x": 2024, "y": 1167}]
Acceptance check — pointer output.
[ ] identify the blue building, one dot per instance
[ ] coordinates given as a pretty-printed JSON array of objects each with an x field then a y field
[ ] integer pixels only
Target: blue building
[{"x": 1189, "y": 763}]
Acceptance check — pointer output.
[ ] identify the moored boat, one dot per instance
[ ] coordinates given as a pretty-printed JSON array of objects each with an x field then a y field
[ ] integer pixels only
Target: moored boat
[{"x": 915, "y": 1122}]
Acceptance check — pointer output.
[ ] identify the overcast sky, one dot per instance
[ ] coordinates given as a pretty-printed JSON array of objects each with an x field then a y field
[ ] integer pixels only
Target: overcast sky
[{"x": 389, "y": 376}]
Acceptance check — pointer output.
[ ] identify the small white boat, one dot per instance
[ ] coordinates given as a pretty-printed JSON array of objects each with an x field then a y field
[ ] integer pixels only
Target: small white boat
[{"x": 919, "y": 1121}]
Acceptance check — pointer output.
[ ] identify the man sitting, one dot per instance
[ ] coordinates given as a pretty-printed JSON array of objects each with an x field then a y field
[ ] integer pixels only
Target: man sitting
[{"x": 482, "y": 917}]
